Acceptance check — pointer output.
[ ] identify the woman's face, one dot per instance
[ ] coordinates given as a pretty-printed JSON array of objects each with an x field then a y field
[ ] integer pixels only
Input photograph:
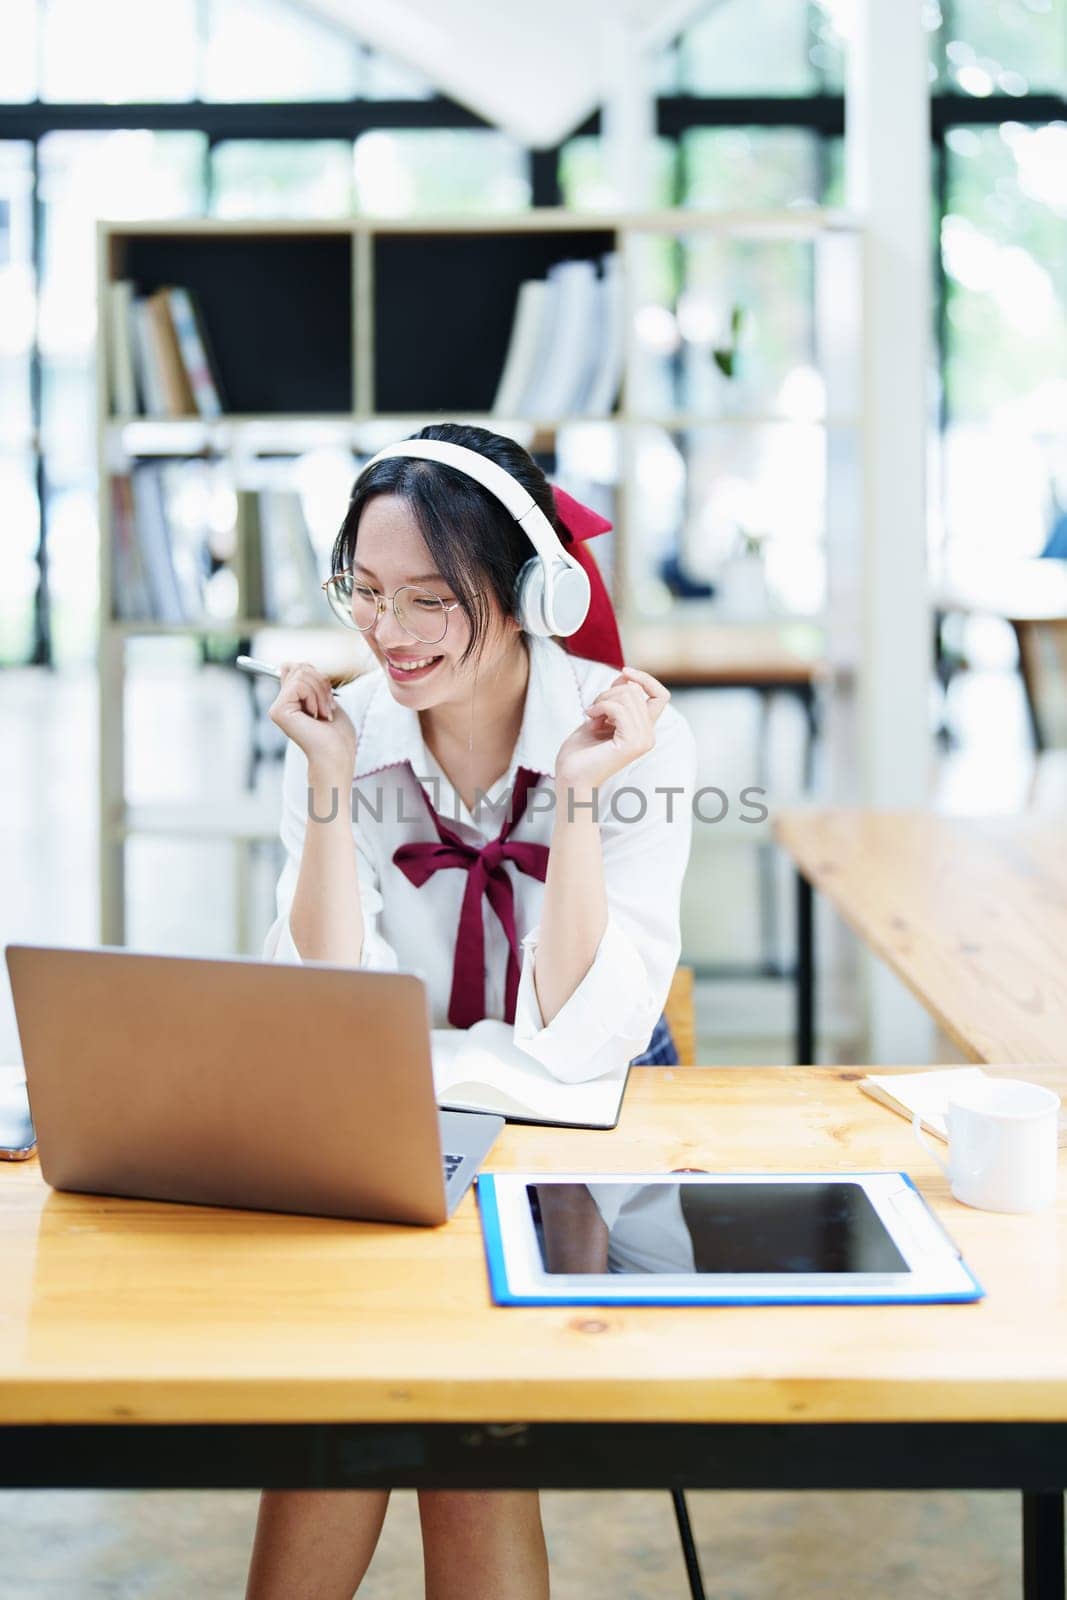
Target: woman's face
[{"x": 391, "y": 552}]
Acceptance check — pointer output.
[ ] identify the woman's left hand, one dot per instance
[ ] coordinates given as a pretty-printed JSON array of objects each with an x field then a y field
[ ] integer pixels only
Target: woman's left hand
[{"x": 619, "y": 726}]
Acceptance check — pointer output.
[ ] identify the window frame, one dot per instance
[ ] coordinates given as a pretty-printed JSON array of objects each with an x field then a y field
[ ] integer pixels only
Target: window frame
[{"x": 821, "y": 113}]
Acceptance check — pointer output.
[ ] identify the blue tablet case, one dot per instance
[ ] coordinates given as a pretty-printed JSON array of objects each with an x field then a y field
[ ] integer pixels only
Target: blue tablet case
[{"x": 504, "y": 1296}]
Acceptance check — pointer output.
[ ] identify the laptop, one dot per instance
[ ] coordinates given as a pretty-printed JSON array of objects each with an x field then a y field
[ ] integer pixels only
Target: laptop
[{"x": 240, "y": 1082}]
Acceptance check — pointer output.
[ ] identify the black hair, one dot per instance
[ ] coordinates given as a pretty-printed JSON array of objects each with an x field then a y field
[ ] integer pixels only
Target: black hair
[{"x": 475, "y": 542}]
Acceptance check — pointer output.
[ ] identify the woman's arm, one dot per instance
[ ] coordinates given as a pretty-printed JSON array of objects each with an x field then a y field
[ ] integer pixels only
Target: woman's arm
[
  {"x": 574, "y": 914},
  {"x": 325, "y": 916},
  {"x": 326, "y": 919},
  {"x": 574, "y": 1232},
  {"x": 582, "y": 1015}
]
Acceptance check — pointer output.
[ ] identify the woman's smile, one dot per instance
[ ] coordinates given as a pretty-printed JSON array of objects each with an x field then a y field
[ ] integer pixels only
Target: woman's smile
[{"x": 409, "y": 669}]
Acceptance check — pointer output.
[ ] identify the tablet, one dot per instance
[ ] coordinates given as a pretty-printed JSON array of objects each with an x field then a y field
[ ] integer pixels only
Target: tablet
[{"x": 759, "y": 1238}]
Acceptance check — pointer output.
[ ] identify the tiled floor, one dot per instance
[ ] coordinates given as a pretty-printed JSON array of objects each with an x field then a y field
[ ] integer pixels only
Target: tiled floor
[
  {"x": 190, "y": 736},
  {"x": 79, "y": 1546}
]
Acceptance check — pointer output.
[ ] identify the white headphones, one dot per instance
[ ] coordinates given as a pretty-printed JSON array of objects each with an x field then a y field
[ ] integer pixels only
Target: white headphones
[{"x": 552, "y": 589}]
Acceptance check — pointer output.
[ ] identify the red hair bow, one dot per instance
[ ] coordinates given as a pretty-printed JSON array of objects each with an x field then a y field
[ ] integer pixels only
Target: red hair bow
[{"x": 598, "y": 637}]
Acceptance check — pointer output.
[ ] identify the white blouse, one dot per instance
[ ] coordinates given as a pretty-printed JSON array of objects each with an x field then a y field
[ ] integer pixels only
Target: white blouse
[
  {"x": 645, "y": 838},
  {"x": 647, "y": 1230}
]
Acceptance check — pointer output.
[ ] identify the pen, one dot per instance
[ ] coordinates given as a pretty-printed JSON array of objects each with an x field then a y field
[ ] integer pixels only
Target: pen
[{"x": 263, "y": 668}]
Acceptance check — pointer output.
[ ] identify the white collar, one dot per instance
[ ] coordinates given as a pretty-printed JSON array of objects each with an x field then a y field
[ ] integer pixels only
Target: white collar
[{"x": 391, "y": 733}]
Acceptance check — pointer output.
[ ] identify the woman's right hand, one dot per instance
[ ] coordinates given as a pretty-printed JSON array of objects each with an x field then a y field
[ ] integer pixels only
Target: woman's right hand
[{"x": 307, "y": 712}]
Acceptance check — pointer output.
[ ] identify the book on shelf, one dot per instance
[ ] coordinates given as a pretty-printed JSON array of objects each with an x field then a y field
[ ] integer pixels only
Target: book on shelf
[
  {"x": 289, "y": 566},
  {"x": 149, "y": 381},
  {"x": 481, "y": 1068},
  {"x": 161, "y": 537},
  {"x": 121, "y": 362},
  {"x": 522, "y": 348},
  {"x": 169, "y": 555},
  {"x": 191, "y": 336},
  {"x": 173, "y": 553},
  {"x": 249, "y": 559},
  {"x": 153, "y": 539},
  {"x": 176, "y": 390},
  {"x": 187, "y": 489},
  {"x": 131, "y": 599},
  {"x": 605, "y": 379},
  {"x": 565, "y": 350},
  {"x": 159, "y": 361},
  {"x": 566, "y": 354}
]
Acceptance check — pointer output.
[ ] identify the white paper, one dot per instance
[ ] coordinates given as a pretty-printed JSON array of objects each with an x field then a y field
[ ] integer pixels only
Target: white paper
[
  {"x": 926, "y": 1092},
  {"x": 481, "y": 1068}
]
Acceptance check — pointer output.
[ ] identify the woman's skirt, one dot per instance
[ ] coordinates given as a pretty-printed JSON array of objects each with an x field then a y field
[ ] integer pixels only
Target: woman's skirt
[{"x": 661, "y": 1051}]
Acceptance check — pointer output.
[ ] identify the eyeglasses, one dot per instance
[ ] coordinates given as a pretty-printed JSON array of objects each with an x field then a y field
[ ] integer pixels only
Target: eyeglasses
[{"x": 421, "y": 614}]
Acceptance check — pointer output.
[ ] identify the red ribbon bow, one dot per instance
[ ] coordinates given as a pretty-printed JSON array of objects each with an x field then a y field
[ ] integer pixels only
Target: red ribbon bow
[
  {"x": 485, "y": 876},
  {"x": 598, "y": 637}
]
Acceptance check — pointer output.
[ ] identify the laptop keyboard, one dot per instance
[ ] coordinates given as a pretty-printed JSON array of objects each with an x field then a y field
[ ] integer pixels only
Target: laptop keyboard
[{"x": 450, "y": 1164}]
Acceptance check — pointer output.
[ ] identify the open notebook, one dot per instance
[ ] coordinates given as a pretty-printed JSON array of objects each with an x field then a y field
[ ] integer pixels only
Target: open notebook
[
  {"x": 925, "y": 1092},
  {"x": 482, "y": 1069}
]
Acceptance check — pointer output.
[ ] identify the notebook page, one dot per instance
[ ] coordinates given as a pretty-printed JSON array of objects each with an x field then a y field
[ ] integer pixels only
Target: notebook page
[{"x": 481, "y": 1068}]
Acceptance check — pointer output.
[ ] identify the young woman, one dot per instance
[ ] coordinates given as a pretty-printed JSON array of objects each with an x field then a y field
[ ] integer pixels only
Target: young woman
[{"x": 504, "y": 816}]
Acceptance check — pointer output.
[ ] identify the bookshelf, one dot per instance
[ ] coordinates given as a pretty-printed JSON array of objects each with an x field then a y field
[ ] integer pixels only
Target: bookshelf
[{"x": 333, "y": 336}]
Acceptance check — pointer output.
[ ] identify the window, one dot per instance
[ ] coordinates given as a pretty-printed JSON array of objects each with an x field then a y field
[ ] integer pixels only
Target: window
[
  {"x": 583, "y": 175},
  {"x": 270, "y": 50},
  {"x": 114, "y": 50},
  {"x": 1008, "y": 47},
  {"x": 380, "y": 78},
  {"x": 18, "y": 297},
  {"x": 18, "y": 58},
  {"x": 404, "y": 171},
  {"x": 131, "y": 173},
  {"x": 799, "y": 48},
  {"x": 1006, "y": 334},
  {"x": 18, "y": 495},
  {"x": 1001, "y": 257},
  {"x": 749, "y": 168},
  {"x": 281, "y": 178}
]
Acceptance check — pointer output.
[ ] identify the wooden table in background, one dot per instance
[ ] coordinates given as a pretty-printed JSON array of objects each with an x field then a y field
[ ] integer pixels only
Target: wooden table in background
[
  {"x": 971, "y": 913},
  {"x": 769, "y": 658},
  {"x": 151, "y": 1345},
  {"x": 719, "y": 654},
  {"x": 1031, "y": 595},
  {"x": 1019, "y": 591}
]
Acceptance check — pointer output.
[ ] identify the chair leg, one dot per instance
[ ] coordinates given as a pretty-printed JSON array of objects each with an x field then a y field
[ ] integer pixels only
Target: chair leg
[{"x": 689, "y": 1549}]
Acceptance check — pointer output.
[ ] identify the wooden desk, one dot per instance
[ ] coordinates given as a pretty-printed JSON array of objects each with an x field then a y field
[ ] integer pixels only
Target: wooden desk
[
  {"x": 971, "y": 913},
  {"x": 150, "y": 1345}
]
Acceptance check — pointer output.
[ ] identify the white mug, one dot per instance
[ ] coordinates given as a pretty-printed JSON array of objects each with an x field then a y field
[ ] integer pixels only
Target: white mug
[{"x": 1002, "y": 1144}]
